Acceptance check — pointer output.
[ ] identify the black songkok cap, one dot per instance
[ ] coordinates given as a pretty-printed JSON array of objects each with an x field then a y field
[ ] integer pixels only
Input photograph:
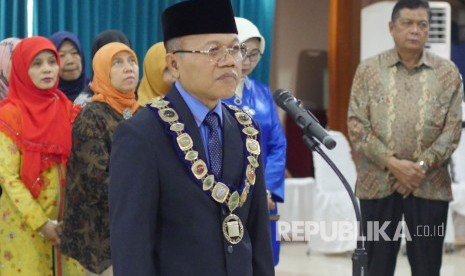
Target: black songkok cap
[{"x": 198, "y": 17}]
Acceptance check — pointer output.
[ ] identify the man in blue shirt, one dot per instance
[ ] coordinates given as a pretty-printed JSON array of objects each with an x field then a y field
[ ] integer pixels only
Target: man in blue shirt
[{"x": 187, "y": 193}]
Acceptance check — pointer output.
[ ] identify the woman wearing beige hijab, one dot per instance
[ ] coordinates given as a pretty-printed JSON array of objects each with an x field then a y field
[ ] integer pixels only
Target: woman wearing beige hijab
[
  {"x": 86, "y": 235},
  {"x": 6, "y": 51},
  {"x": 157, "y": 79}
]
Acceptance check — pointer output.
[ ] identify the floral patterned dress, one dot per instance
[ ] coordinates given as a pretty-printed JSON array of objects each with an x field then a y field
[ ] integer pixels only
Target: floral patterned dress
[{"x": 22, "y": 250}]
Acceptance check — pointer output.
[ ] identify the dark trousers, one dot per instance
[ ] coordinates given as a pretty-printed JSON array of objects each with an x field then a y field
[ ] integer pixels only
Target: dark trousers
[{"x": 426, "y": 226}]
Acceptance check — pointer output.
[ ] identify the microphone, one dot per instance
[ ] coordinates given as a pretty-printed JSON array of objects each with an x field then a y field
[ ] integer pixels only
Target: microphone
[{"x": 303, "y": 118}]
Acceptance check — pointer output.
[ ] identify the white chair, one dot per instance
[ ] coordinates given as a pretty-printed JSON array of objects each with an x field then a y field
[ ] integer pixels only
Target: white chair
[
  {"x": 457, "y": 206},
  {"x": 297, "y": 206},
  {"x": 332, "y": 206},
  {"x": 298, "y": 198}
]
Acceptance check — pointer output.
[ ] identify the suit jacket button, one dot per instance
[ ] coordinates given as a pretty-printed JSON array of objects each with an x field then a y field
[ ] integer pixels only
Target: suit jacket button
[{"x": 230, "y": 249}]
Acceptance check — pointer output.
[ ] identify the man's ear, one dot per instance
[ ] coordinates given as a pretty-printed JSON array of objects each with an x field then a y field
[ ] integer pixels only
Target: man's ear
[
  {"x": 172, "y": 64},
  {"x": 391, "y": 26}
]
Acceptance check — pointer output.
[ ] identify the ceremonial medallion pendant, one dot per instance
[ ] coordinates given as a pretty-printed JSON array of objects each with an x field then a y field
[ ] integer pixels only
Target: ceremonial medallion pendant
[{"x": 233, "y": 230}]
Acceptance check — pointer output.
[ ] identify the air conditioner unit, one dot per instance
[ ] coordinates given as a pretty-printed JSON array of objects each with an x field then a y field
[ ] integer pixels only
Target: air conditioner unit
[{"x": 375, "y": 36}]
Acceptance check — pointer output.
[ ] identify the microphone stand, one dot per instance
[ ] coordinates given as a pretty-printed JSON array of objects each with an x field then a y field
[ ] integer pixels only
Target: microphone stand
[{"x": 359, "y": 257}]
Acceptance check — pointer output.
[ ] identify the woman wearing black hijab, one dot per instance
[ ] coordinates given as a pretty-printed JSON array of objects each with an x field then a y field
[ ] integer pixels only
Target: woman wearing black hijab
[
  {"x": 106, "y": 37},
  {"x": 100, "y": 40}
]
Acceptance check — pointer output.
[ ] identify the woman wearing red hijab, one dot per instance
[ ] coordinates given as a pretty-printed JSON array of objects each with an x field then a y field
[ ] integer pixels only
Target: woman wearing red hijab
[{"x": 35, "y": 142}]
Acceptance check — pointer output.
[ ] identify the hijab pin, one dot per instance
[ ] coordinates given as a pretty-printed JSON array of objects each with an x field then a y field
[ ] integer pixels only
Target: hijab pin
[{"x": 127, "y": 113}]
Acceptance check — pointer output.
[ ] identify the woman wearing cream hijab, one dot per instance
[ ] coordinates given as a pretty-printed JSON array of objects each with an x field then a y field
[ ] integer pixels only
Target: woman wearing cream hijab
[
  {"x": 6, "y": 51},
  {"x": 86, "y": 235},
  {"x": 157, "y": 80}
]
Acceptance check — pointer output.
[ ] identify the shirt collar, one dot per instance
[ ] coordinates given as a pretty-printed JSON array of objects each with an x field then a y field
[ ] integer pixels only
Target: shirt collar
[
  {"x": 393, "y": 59},
  {"x": 198, "y": 109}
]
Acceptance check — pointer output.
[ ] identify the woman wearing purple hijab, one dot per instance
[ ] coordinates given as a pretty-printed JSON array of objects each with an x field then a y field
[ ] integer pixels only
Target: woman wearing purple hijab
[
  {"x": 73, "y": 78},
  {"x": 6, "y": 50}
]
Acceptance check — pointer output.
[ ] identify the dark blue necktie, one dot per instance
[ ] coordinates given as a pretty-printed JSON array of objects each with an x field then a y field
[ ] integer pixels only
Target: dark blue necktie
[{"x": 214, "y": 144}]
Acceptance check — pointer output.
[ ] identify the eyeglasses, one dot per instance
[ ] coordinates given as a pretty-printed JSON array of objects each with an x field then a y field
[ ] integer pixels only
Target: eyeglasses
[
  {"x": 253, "y": 56},
  {"x": 218, "y": 53}
]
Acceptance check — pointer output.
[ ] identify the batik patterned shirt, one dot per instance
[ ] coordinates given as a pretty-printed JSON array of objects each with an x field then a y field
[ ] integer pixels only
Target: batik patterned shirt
[
  {"x": 86, "y": 230},
  {"x": 410, "y": 114}
]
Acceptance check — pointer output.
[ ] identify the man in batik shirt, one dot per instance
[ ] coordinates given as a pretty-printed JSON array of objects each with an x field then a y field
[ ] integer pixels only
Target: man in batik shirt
[{"x": 404, "y": 124}]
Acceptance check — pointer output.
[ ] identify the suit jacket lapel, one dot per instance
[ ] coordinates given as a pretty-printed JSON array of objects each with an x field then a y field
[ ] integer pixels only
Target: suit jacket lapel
[{"x": 188, "y": 119}]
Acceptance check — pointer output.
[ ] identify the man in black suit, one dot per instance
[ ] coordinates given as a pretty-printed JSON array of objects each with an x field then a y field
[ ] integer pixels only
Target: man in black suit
[{"x": 188, "y": 197}]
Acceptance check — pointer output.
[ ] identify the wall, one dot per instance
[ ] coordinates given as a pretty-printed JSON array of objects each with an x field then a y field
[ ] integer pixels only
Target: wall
[{"x": 299, "y": 25}]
